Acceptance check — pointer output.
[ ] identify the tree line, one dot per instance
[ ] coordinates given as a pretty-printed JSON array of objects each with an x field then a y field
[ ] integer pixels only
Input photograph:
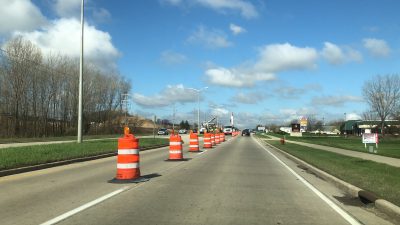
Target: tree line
[{"x": 39, "y": 94}]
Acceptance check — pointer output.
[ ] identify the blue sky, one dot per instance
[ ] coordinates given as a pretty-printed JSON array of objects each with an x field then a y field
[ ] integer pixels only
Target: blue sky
[{"x": 267, "y": 61}]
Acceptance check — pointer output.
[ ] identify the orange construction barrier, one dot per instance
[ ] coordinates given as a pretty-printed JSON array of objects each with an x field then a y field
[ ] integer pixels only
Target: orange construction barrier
[
  {"x": 175, "y": 147},
  {"x": 128, "y": 158},
  {"x": 213, "y": 139},
  {"x": 222, "y": 137},
  {"x": 217, "y": 138},
  {"x": 194, "y": 142},
  {"x": 128, "y": 167},
  {"x": 207, "y": 140}
]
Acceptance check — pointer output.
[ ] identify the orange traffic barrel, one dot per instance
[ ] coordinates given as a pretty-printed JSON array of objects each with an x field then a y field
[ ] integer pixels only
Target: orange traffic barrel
[
  {"x": 213, "y": 139},
  {"x": 217, "y": 138},
  {"x": 128, "y": 166},
  {"x": 194, "y": 142},
  {"x": 175, "y": 147},
  {"x": 207, "y": 140},
  {"x": 222, "y": 137}
]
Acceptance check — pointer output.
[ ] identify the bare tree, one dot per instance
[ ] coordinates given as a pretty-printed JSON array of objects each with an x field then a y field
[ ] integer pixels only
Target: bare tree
[
  {"x": 369, "y": 115},
  {"x": 38, "y": 97},
  {"x": 382, "y": 93}
]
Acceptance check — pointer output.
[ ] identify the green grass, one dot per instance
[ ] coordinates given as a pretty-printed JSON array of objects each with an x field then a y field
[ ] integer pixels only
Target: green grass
[
  {"x": 48, "y": 139},
  {"x": 387, "y": 146},
  {"x": 381, "y": 179},
  {"x": 32, "y": 155}
]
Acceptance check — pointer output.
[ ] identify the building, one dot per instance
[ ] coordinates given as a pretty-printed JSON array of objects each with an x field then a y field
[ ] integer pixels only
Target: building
[{"x": 358, "y": 127}]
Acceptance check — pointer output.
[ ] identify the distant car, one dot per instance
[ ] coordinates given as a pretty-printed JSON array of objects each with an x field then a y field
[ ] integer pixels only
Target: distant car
[
  {"x": 194, "y": 130},
  {"x": 162, "y": 131},
  {"x": 228, "y": 130},
  {"x": 246, "y": 132},
  {"x": 182, "y": 131}
]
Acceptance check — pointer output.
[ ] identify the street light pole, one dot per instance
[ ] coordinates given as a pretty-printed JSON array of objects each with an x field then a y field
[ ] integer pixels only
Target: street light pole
[
  {"x": 198, "y": 106},
  {"x": 80, "y": 79}
]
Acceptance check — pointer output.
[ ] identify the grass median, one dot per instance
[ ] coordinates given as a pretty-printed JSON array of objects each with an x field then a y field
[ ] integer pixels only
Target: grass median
[
  {"x": 16, "y": 157},
  {"x": 381, "y": 179},
  {"x": 388, "y": 146}
]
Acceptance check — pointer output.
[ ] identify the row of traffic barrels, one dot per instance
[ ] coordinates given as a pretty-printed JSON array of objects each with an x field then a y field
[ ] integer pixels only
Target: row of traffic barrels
[{"x": 128, "y": 166}]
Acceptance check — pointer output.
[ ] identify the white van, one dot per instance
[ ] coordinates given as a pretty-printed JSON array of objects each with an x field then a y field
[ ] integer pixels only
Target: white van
[{"x": 228, "y": 130}]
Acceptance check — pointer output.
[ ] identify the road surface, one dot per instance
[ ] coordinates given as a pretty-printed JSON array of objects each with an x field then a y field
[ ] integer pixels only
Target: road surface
[{"x": 237, "y": 182}]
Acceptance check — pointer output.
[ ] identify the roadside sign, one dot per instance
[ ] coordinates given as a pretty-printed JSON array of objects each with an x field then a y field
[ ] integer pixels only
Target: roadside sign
[{"x": 370, "y": 139}]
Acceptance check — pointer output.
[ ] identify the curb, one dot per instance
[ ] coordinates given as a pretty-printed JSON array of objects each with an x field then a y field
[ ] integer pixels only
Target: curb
[
  {"x": 384, "y": 206},
  {"x": 66, "y": 162}
]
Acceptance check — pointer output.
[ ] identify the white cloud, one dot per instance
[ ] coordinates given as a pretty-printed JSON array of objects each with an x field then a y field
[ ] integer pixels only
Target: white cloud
[
  {"x": 170, "y": 57},
  {"x": 333, "y": 53},
  {"x": 63, "y": 36},
  {"x": 287, "y": 114},
  {"x": 377, "y": 47},
  {"x": 249, "y": 98},
  {"x": 281, "y": 57},
  {"x": 209, "y": 38},
  {"x": 236, "y": 29},
  {"x": 219, "y": 112},
  {"x": 353, "y": 55},
  {"x": 170, "y": 95},
  {"x": 67, "y": 8},
  {"x": 352, "y": 116},
  {"x": 272, "y": 59},
  {"x": 236, "y": 77},
  {"x": 20, "y": 15},
  {"x": 245, "y": 8},
  {"x": 335, "y": 101},
  {"x": 336, "y": 55},
  {"x": 290, "y": 92}
]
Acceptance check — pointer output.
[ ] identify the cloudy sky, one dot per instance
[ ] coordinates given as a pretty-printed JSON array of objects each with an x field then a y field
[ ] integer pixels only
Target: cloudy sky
[{"x": 267, "y": 61}]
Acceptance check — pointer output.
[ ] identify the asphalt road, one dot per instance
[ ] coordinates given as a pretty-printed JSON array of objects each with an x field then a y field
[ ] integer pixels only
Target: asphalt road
[{"x": 238, "y": 182}]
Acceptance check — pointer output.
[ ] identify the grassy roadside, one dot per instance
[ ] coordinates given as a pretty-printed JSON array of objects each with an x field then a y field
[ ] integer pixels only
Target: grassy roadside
[
  {"x": 33, "y": 155},
  {"x": 387, "y": 146},
  {"x": 381, "y": 179},
  {"x": 48, "y": 139}
]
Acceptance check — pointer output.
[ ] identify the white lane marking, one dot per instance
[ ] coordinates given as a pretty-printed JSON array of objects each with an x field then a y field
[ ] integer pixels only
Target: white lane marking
[
  {"x": 83, "y": 207},
  {"x": 335, "y": 207}
]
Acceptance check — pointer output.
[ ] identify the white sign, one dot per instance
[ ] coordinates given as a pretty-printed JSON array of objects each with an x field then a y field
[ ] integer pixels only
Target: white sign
[
  {"x": 370, "y": 138},
  {"x": 261, "y": 128}
]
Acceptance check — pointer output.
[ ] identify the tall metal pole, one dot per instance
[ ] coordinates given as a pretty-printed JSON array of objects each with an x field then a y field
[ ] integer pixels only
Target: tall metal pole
[
  {"x": 80, "y": 80},
  {"x": 198, "y": 105},
  {"x": 198, "y": 112}
]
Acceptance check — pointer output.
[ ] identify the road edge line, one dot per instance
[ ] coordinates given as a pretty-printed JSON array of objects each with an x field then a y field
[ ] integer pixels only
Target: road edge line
[
  {"x": 345, "y": 215},
  {"x": 390, "y": 209}
]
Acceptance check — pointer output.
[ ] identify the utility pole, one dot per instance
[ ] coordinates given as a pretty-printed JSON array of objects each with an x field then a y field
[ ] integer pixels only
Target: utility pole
[{"x": 80, "y": 110}]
